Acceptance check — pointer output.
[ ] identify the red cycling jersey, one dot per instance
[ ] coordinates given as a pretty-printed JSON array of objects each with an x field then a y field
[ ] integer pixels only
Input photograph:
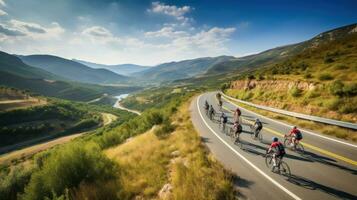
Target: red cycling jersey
[
  {"x": 275, "y": 144},
  {"x": 279, "y": 148},
  {"x": 293, "y": 132}
]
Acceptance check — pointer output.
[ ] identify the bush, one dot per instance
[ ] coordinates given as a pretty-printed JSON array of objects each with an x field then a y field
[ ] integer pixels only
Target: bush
[
  {"x": 165, "y": 129},
  {"x": 308, "y": 76},
  {"x": 332, "y": 104},
  {"x": 336, "y": 88},
  {"x": 350, "y": 90},
  {"x": 329, "y": 60},
  {"x": 339, "y": 89},
  {"x": 348, "y": 108},
  {"x": 325, "y": 77},
  {"x": 66, "y": 168},
  {"x": 295, "y": 91},
  {"x": 14, "y": 182},
  {"x": 341, "y": 67}
]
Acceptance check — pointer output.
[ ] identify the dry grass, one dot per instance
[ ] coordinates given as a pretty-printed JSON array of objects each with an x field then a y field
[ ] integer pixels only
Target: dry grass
[
  {"x": 342, "y": 133},
  {"x": 146, "y": 163}
]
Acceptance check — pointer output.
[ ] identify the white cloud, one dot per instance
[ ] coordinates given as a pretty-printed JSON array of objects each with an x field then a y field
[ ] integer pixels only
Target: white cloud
[
  {"x": 2, "y": 3},
  {"x": 6, "y": 31},
  {"x": 2, "y": 13},
  {"x": 97, "y": 31},
  {"x": 168, "y": 32},
  {"x": 27, "y": 27},
  {"x": 174, "y": 11}
]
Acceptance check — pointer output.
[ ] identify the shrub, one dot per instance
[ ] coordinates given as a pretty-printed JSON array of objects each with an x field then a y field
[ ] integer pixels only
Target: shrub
[
  {"x": 14, "y": 182},
  {"x": 348, "y": 108},
  {"x": 332, "y": 104},
  {"x": 312, "y": 94},
  {"x": 325, "y": 77},
  {"x": 295, "y": 91},
  {"x": 350, "y": 89},
  {"x": 340, "y": 67},
  {"x": 339, "y": 89},
  {"x": 308, "y": 76},
  {"x": 66, "y": 168},
  {"x": 165, "y": 129},
  {"x": 251, "y": 77},
  {"x": 336, "y": 88}
]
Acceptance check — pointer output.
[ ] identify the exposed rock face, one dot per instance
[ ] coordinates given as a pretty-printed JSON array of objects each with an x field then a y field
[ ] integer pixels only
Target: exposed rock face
[
  {"x": 272, "y": 84},
  {"x": 165, "y": 191}
]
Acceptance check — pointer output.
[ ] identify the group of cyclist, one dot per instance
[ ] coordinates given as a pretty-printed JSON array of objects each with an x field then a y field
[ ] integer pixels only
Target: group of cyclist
[{"x": 276, "y": 148}]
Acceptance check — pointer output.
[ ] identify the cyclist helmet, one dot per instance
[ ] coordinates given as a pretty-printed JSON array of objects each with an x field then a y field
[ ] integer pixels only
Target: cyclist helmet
[
  {"x": 275, "y": 139},
  {"x": 294, "y": 127},
  {"x": 257, "y": 120}
]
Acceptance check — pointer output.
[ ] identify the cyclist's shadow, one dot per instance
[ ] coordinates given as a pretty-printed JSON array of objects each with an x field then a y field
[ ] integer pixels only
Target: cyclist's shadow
[{"x": 311, "y": 185}]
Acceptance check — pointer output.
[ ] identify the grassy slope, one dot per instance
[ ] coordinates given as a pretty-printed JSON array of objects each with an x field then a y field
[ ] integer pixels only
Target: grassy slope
[
  {"x": 147, "y": 164},
  {"x": 325, "y": 67}
]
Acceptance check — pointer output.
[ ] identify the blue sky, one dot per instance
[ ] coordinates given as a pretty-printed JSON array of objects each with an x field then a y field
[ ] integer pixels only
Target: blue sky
[{"x": 152, "y": 32}]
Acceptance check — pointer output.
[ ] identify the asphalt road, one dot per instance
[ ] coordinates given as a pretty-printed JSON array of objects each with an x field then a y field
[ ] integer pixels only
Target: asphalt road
[{"x": 327, "y": 169}]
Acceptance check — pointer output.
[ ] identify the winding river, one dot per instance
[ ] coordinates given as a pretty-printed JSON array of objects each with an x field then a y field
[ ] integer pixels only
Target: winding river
[{"x": 119, "y": 106}]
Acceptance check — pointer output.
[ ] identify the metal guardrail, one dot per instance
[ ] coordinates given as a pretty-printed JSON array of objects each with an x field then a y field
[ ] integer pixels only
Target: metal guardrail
[{"x": 298, "y": 115}]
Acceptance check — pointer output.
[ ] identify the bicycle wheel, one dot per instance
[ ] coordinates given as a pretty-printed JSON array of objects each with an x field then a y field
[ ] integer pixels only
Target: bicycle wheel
[
  {"x": 285, "y": 169},
  {"x": 300, "y": 148},
  {"x": 269, "y": 161},
  {"x": 231, "y": 134},
  {"x": 287, "y": 143},
  {"x": 260, "y": 137},
  {"x": 253, "y": 133}
]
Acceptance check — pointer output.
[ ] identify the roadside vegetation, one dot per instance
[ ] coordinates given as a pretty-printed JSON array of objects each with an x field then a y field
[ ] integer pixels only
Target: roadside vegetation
[
  {"x": 171, "y": 163},
  {"x": 319, "y": 81},
  {"x": 100, "y": 165}
]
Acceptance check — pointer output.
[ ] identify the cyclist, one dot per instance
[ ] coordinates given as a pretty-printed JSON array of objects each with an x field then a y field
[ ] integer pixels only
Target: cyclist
[
  {"x": 218, "y": 95},
  {"x": 295, "y": 135},
  {"x": 211, "y": 112},
  {"x": 206, "y": 107},
  {"x": 236, "y": 115},
  {"x": 258, "y": 125},
  {"x": 220, "y": 103},
  {"x": 237, "y": 129},
  {"x": 223, "y": 119},
  {"x": 278, "y": 151}
]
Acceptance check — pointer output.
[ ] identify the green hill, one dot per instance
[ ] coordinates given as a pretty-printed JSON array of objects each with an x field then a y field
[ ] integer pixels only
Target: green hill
[
  {"x": 73, "y": 70},
  {"x": 15, "y": 73},
  {"x": 122, "y": 69},
  {"x": 320, "y": 80},
  {"x": 280, "y": 53},
  {"x": 12, "y": 64},
  {"x": 180, "y": 70}
]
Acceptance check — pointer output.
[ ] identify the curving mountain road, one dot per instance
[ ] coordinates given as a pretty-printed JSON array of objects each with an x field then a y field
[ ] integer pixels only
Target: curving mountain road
[{"x": 327, "y": 170}]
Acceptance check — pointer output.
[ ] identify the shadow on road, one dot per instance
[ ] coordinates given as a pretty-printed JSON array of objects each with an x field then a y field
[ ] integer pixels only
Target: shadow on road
[
  {"x": 205, "y": 140},
  {"x": 311, "y": 185},
  {"x": 327, "y": 161}
]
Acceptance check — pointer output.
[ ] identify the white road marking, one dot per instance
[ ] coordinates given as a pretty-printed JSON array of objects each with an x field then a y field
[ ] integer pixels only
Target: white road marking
[
  {"x": 284, "y": 124},
  {"x": 245, "y": 159}
]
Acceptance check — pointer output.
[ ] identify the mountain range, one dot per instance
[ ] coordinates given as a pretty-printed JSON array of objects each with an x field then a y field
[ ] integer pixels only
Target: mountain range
[
  {"x": 181, "y": 69},
  {"x": 45, "y": 73},
  {"x": 122, "y": 69},
  {"x": 73, "y": 71}
]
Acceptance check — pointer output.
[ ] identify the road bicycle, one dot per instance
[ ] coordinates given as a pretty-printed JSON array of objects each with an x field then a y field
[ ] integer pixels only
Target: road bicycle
[
  {"x": 256, "y": 134},
  {"x": 235, "y": 137},
  {"x": 298, "y": 147},
  {"x": 282, "y": 167},
  {"x": 222, "y": 127}
]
